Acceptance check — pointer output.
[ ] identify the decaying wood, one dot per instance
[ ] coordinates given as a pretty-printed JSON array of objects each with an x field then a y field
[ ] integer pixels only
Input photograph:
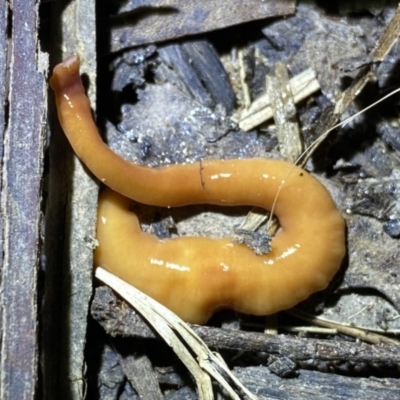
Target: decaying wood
[
  {"x": 161, "y": 20},
  {"x": 142, "y": 377},
  {"x": 70, "y": 223},
  {"x": 199, "y": 68},
  {"x": 310, "y": 385},
  {"x": 284, "y": 113},
  {"x": 118, "y": 319},
  {"x": 313, "y": 385},
  {"x": 382, "y": 48},
  {"x": 3, "y": 91},
  {"x": 21, "y": 196}
]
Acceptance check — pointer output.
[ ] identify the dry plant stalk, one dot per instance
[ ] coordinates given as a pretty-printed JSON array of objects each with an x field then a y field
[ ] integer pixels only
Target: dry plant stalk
[
  {"x": 260, "y": 111},
  {"x": 284, "y": 113},
  {"x": 347, "y": 329}
]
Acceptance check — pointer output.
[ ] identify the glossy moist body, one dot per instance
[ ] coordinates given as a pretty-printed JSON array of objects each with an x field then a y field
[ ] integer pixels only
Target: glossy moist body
[{"x": 195, "y": 276}]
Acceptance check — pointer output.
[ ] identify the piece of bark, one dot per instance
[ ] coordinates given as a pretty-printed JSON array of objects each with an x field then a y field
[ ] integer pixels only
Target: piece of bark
[
  {"x": 206, "y": 62},
  {"x": 178, "y": 63},
  {"x": 316, "y": 385},
  {"x": 21, "y": 198},
  {"x": 70, "y": 222},
  {"x": 142, "y": 377},
  {"x": 200, "y": 70},
  {"x": 110, "y": 377},
  {"x": 118, "y": 319},
  {"x": 159, "y": 20}
]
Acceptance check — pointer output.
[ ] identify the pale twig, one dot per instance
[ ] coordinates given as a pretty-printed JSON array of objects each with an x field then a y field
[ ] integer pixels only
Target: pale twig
[{"x": 260, "y": 111}]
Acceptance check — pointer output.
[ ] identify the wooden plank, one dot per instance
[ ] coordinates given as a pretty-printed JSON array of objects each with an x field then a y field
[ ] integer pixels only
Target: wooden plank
[
  {"x": 314, "y": 385},
  {"x": 159, "y": 20},
  {"x": 70, "y": 222},
  {"x": 3, "y": 69},
  {"x": 20, "y": 204}
]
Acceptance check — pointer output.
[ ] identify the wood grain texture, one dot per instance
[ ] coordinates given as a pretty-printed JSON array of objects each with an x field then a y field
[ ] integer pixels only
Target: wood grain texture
[
  {"x": 118, "y": 319},
  {"x": 21, "y": 200},
  {"x": 313, "y": 385},
  {"x": 70, "y": 223},
  {"x": 153, "y": 21},
  {"x": 3, "y": 69},
  {"x": 142, "y": 377}
]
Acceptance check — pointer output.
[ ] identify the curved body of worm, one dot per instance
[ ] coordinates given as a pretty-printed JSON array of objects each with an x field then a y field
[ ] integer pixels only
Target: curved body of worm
[{"x": 194, "y": 276}]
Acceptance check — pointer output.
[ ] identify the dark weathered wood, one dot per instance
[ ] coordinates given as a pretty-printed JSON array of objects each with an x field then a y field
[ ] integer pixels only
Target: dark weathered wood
[
  {"x": 141, "y": 375},
  {"x": 118, "y": 319},
  {"x": 169, "y": 19},
  {"x": 20, "y": 202},
  {"x": 312, "y": 385},
  {"x": 206, "y": 62},
  {"x": 176, "y": 59},
  {"x": 199, "y": 68},
  {"x": 70, "y": 222},
  {"x": 3, "y": 69}
]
